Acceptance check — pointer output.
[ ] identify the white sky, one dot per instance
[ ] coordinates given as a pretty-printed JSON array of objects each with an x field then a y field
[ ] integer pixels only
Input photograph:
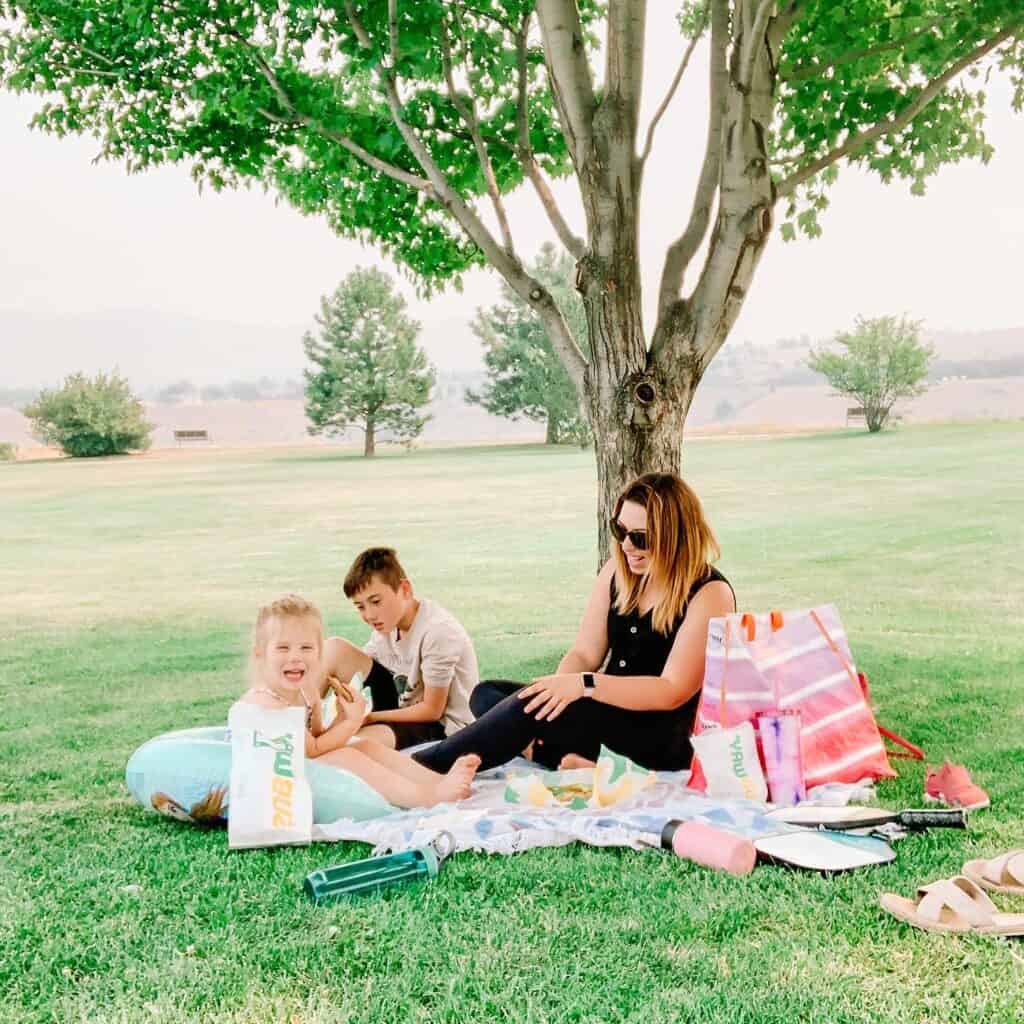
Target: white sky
[{"x": 83, "y": 238}]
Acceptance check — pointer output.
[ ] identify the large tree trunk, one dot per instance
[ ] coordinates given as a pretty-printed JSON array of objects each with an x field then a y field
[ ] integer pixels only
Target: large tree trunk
[
  {"x": 369, "y": 444},
  {"x": 637, "y": 413},
  {"x": 634, "y": 430},
  {"x": 637, "y": 397}
]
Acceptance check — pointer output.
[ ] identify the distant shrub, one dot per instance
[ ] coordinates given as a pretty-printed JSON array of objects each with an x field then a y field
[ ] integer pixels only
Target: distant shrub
[
  {"x": 87, "y": 417},
  {"x": 8, "y": 451},
  {"x": 880, "y": 361}
]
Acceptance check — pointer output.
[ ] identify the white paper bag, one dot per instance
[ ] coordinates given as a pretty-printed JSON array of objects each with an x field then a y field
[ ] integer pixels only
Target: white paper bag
[
  {"x": 270, "y": 802},
  {"x": 730, "y": 762}
]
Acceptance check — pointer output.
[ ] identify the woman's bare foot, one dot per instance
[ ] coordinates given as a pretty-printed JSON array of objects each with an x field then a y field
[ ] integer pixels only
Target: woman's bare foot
[
  {"x": 457, "y": 783},
  {"x": 575, "y": 761}
]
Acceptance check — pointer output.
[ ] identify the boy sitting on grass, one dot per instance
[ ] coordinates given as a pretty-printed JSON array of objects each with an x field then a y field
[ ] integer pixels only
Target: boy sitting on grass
[{"x": 419, "y": 662}]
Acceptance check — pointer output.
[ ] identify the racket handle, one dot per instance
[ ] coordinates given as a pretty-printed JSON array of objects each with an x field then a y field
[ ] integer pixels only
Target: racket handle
[{"x": 954, "y": 817}]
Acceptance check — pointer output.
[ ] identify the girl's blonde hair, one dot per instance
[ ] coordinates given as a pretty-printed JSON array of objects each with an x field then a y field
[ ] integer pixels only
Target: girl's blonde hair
[
  {"x": 289, "y": 606},
  {"x": 680, "y": 543}
]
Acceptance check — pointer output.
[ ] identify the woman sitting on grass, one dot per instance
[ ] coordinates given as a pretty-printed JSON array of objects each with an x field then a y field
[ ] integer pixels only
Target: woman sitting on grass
[
  {"x": 646, "y": 622},
  {"x": 286, "y": 671}
]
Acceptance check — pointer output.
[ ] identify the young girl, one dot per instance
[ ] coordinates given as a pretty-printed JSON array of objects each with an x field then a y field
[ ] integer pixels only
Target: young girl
[{"x": 286, "y": 671}]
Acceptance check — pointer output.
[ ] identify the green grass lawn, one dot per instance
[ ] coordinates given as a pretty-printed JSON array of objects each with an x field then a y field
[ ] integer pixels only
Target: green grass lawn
[{"x": 127, "y": 587}]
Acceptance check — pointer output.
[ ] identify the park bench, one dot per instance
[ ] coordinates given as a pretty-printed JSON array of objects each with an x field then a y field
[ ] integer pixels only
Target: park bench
[
  {"x": 856, "y": 412},
  {"x": 191, "y": 435}
]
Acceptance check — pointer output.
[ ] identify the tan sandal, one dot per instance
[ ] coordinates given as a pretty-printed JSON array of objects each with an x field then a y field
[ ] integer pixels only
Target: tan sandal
[
  {"x": 1000, "y": 874},
  {"x": 953, "y": 906}
]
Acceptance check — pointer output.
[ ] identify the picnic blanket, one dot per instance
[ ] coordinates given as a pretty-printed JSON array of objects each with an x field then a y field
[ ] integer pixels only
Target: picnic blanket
[{"x": 508, "y": 813}]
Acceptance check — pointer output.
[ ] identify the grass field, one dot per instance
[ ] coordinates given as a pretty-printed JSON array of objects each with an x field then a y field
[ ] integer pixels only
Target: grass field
[{"x": 127, "y": 587}]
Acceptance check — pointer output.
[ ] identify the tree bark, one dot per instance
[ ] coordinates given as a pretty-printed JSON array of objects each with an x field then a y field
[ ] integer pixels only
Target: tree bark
[
  {"x": 369, "y": 442},
  {"x": 637, "y": 419}
]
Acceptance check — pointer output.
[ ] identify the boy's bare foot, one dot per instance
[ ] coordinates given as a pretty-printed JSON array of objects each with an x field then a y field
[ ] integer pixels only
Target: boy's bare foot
[
  {"x": 576, "y": 761},
  {"x": 457, "y": 783}
]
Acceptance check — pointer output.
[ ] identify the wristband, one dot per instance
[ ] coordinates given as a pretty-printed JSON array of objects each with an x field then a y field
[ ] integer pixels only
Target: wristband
[{"x": 589, "y": 682}]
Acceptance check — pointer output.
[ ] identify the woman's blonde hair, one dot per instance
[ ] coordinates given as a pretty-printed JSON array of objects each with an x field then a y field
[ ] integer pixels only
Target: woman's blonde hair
[
  {"x": 680, "y": 543},
  {"x": 289, "y": 606}
]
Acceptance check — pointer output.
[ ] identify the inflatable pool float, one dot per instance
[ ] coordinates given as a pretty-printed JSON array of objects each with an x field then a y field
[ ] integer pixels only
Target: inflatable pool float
[{"x": 185, "y": 775}]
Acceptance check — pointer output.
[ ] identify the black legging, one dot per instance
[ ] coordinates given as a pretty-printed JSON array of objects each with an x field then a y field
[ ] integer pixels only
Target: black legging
[{"x": 654, "y": 739}]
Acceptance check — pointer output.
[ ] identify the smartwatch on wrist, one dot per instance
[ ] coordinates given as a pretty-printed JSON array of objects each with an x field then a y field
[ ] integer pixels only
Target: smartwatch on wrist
[{"x": 589, "y": 682}]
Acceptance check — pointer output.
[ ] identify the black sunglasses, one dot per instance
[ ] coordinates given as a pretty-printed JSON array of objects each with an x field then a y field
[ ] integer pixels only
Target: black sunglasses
[{"x": 638, "y": 538}]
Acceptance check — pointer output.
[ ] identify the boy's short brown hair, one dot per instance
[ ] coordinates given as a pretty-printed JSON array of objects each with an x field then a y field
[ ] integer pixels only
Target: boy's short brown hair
[{"x": 381, "y": 562}]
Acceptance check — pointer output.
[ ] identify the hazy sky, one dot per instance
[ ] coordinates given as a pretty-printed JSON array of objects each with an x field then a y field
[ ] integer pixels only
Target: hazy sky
[{"x": 85, "y": 238}]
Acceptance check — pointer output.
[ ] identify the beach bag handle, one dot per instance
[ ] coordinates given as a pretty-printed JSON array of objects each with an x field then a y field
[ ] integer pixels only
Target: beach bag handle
[
  {"x": 749, "y": 623},
  {"x": 909, "y": 751},
  {"x": 835, "y": 650},
  {"x": 725, "y": 675}
]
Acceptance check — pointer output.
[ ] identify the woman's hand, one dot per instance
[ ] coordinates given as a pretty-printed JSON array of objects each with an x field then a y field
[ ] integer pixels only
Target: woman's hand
[{"x": 552, "y": 694}]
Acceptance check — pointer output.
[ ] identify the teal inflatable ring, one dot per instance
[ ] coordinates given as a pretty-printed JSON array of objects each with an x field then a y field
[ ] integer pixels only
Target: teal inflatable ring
[{"x": 185, "y": 775}]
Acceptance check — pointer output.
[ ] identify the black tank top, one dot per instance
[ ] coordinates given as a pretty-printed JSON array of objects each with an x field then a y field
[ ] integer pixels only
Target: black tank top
[{"x": 635, "y": 647}]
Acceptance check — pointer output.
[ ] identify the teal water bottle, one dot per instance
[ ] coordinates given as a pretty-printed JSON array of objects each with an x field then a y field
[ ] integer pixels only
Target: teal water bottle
[{"x": 362, "y": 877}]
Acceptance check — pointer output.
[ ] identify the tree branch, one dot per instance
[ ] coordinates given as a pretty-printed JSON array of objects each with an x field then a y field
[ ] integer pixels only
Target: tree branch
[
  {"x": 75, "y": 44},
  {"x": 680, "y": 71},
  {"x": 753, "y": 42},
  {"x": 504, "y": 262},
  {"x": 786, "y": 18},
  {"x": 467, "y": 111},
  {"x": 93, "y": 72},
  {"x": 682, "y": 251},
  {"x": 895, "y": 124},
  {"x": 298, "y": 118},
  {"x": 801, "y": 74},
  {"x": 393, "y": 33},
  {"x": 624, "y": 73},
  {"x": 572, "y": 242},
  {"x": 569, "y": 73}
]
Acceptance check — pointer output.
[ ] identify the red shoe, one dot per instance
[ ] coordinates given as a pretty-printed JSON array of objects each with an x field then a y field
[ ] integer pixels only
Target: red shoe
[{"x": 951, "y": 785}]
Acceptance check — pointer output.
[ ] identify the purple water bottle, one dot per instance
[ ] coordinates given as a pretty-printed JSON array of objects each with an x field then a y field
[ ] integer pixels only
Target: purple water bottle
[{"x": 783, "y": 763}]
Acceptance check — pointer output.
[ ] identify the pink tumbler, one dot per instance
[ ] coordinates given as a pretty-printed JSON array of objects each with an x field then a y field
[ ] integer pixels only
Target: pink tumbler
[
  {"x": 783, "y": 762},
  {"x": 711, "y": 847}
]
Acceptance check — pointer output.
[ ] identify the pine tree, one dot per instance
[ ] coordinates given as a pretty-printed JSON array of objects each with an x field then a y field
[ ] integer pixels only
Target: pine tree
[{"x": 368, "y": 371}]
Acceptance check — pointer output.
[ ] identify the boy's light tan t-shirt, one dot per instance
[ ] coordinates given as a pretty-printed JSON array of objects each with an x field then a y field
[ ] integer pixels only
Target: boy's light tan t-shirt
[{"x": 436, "y": 651}]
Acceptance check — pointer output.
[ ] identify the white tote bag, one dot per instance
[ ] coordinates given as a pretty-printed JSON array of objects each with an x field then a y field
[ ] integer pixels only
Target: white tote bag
[
  {"x": 270, "y": 802},
  {"x": 730, "y": 762}
]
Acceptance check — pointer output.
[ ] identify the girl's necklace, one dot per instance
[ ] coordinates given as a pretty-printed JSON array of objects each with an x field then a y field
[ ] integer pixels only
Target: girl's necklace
[
  {"x": 274, "y": 694},
  {"x": 277, "y": 696}
]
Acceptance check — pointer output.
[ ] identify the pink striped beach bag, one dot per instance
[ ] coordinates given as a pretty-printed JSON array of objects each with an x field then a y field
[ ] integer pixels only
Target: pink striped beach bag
[{"x": 793, "y": 661}]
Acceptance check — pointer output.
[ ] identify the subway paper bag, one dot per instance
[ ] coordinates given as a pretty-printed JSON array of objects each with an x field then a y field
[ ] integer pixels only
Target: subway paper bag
[{"x": 270, "y": 802}]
